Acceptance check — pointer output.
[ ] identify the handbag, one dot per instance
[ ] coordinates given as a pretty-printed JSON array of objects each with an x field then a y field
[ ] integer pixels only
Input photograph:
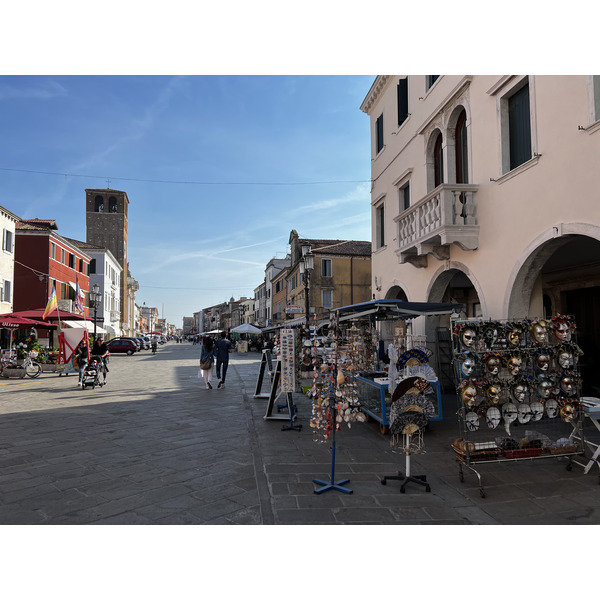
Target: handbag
[{"x": 206, "y": 364}]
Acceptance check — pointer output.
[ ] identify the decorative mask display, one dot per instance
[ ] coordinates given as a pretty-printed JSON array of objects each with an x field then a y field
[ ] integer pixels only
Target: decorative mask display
[
  {"x": 542, "y": 361},
  {"x": 492, "y": 363},
  {"x": 537, "y": 411},
  {"x": 565, "y": 360},
  {"x": 519, "y": 391},
  {"x": 539, "y": 333},
  {"x": 524, "y": 413},
  {"x": 515, "y": 332},
  {"x": 567, "y": 413},
  {"x": 514, "y": 364},
  {"x": 492, "y": 393},
  {"x": 568, "y": 384},
  {"x": 467, "y": 364},
  {"x": 492, "y": 417},
  {"x": 467, "y": 337},
  {"x": 472, "y": 421},
  {"x": 468, "y": 393},
  {"x": 551, "y": 408},
  {"x": 490, "y": 333},
  {"x": 544, "y": 389},
  {"x": 562, "y": 328},
  {"x": 509, "y": 414}
]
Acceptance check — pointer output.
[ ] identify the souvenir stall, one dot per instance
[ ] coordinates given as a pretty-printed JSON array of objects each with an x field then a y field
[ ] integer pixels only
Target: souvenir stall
[
  {"x": 518, "y": 391},
  {"x": 408, "y": 355}
]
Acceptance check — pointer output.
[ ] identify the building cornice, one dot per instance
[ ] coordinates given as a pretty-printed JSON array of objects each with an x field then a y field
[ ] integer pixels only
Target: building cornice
[{"x": 380, "y": 83}]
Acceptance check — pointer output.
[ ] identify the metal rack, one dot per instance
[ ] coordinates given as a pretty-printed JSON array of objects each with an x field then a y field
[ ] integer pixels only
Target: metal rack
[{"x": 518, "y": 392}]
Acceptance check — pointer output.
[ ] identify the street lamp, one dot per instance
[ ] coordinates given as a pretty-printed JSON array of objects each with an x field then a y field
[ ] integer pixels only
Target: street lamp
[
  {"x": 95, "y": 298},
  {"x": 307, "y": 264}
]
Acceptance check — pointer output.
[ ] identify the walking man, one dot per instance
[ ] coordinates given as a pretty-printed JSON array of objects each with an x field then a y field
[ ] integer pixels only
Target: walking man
[{"x": 223, "y": 347}]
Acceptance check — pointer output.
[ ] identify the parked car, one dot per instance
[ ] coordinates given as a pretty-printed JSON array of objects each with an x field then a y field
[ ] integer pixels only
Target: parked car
[
  {"x": 122, "y": 346},
  {"x": 137, "y": 342},
  {"x": 144, "y": 344}
]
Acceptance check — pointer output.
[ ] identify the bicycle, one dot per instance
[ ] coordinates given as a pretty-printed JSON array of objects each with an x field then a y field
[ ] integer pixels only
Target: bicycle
[{"x": 32, "y": 368}]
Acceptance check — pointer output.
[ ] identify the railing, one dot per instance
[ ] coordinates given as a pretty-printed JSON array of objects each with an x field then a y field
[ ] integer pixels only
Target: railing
[{"x": 447, "y": 215}]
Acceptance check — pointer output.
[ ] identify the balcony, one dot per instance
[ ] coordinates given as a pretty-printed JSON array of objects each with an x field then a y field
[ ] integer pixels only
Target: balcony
[{"x": 445, "y": 216}]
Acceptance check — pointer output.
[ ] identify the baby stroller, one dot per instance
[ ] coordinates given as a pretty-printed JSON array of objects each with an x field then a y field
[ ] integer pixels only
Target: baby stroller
[{"x": 91, "y": 373}]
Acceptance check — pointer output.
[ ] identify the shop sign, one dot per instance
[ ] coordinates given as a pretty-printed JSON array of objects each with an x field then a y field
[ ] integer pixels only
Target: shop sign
[{"x": 293, "y": 309}]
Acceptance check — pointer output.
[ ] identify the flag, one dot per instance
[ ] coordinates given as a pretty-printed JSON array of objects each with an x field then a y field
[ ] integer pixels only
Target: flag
[
  {"x": 52, "y": 303},
  {"x": 78, "y": 297}
]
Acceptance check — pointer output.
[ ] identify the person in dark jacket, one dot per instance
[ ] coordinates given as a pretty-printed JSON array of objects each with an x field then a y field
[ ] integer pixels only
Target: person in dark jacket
[
  {"x": 223, "y": 347},
  {"x": 101, "y": 349},
  {"x": 207, "y": 354},
  {"x": 82, "y": 354}
]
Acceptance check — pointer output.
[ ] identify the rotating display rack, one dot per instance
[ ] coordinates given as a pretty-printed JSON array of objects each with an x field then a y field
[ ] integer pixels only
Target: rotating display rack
[{"x": 518, "y": 391}]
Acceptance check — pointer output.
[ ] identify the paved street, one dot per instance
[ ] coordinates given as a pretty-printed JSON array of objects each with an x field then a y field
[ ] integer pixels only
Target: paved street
[{"x": 155, "y": 447}]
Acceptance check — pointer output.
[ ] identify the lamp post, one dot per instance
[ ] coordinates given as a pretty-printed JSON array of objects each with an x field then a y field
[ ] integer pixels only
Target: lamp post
[
  {"x": 95, "y": 297},
  {"x": 307, "y": 263}
]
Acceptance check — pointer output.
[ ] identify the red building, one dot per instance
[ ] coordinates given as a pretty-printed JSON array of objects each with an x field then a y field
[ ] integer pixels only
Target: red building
[{"x": 44, "y": 258}]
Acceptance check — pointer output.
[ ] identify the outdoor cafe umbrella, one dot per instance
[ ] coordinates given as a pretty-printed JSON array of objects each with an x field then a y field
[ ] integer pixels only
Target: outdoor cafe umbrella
[
  {"x": 10, "y": 321},
  {"x": 246, "y": 328},
  {"x": 38, "y": 313}
]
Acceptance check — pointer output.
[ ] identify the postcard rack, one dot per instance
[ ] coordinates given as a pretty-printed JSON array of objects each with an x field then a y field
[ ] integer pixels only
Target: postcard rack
[{"x": 518, "y": 391}]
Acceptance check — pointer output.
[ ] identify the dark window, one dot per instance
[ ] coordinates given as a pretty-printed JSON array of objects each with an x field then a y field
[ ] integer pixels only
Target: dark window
[
  {"x": 92, "y": 266},
  {"x": 462, "y": 175},
  {"x": 112, "y": 204},
  {"x": 519, "y": 127},
  {"x": 71, "y": 261},
  {"x": 430, "y": 80},
  {"x": 379, "y": 133},
  {"x": 380, "y": 225},
  {"x": 404, "y": 192},
  {"x": 98, "y": 204},
  {"x": 438, "y": 161},
  {"x": 402, "y": 101},
  {"x": 326, "y": 267}
]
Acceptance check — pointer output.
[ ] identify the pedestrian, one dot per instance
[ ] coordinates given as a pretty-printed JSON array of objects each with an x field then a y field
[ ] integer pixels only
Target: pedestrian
[
  {"x": 82, "y": 354},
  {"x": 206, "y": 360},
  {"x": 101, "y": 349},
  {"x": 223, "y": 347}
]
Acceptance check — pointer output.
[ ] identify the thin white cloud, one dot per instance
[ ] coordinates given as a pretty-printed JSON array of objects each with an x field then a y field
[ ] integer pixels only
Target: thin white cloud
[{"x": 44, "y": 90}]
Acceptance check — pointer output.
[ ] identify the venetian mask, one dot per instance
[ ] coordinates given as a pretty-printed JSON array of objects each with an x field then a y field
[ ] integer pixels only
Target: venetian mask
[
  {"x": 524, "y": 413},
  {"x": 539, "y": 333},
  {"x": 493, "y": 394},
  {"x": 468, "y": 366},
  {"x": 537, "y": 411},
  {"x": 544, "y": 389},
  {"x": 568, "y": 385},
  {"x": 472, "y": 421},
  {"x": 492, "y": 364},
  {"x": 468, "y": 337},
  {"x": 552, "y": 408},
  {"x": 490, "y": 336},
  {"x": 514, "y": 337},
  {"x": 562, "y": 331},
  {"x": 514, "y": 365},
  {"x": 509, "y": 414},
  {"x": 543, "y": 362},
  {"x": 492, "y": 417},
  {"x": 519, "y": 392},
  {"x": 468, "y": 395},
  {"x": 565, "y": 360},
  {"x": 567, "y": 413}
]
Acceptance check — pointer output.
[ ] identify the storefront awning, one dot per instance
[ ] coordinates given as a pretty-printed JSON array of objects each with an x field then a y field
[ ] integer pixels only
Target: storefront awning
[
  {"x": 89, "y": 325},
  {"x": 396, "y": 309}
]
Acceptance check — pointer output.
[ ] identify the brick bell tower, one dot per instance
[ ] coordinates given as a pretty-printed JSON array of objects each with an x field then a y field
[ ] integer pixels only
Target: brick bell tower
[{"x": 106, "y": 218}]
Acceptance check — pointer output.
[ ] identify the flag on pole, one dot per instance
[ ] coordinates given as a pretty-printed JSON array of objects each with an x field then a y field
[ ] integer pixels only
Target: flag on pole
[
  {"x": 78, "y": 297},
  {"x": 52, "y": 303}
]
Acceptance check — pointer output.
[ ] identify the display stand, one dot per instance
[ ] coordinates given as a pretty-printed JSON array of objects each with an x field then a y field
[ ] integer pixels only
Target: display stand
[
  {"x": 520, "y": 378},
  {"x": 266, "y": 364},
  {"x": 591, "y": 408},
  {"x": 408, "y": 478},
  {"x": 332, "y": 484}
]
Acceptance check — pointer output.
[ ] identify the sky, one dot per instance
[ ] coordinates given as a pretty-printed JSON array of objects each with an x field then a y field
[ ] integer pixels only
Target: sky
[{"x": 218, "y": 169}]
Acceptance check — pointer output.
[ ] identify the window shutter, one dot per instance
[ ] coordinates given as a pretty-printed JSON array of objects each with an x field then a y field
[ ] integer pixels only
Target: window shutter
[
  {"x": 380, "y": 133},
  {"x": 7, "y": 291},
  {"x": 402, "y": 100},
  {"x": 519, "y": 127}
]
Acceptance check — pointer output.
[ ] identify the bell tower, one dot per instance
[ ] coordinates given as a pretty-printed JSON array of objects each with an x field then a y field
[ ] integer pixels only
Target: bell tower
[{"x": 106, "y": 217}]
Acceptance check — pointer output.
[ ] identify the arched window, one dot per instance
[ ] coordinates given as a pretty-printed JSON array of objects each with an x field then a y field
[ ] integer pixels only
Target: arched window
[
  {"x": 438, "y": 161},
  {"x": 112, "y": 204},
  {"x": 98, "y": 204},
  {"x": 460, "y": 138}
]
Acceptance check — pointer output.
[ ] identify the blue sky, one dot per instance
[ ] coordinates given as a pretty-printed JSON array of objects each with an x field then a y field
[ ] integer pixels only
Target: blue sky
[{"x": 218, "y": 169}]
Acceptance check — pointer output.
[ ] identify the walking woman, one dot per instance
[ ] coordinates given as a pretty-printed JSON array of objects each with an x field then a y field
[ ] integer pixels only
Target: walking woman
[{"x": 206, "y": 360}]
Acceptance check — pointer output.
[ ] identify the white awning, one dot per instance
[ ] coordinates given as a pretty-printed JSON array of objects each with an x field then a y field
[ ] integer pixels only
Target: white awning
[
  {"x": 112, "y": 330},
  {"x": 89, "y": 325}
]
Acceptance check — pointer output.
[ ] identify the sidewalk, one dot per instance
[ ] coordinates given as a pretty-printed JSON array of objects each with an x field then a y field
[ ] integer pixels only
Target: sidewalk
[{"x": 155, "y": 447}]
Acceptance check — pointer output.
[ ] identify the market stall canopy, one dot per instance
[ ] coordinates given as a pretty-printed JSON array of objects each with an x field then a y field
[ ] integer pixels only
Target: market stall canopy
[
  {"x": 396, "y": 309},
  {"x": 38, "y": 313},
  {"x": 9, "y": 321},
  {"x": 246, "y": 328},
  {"x": 89, "y": 325}
]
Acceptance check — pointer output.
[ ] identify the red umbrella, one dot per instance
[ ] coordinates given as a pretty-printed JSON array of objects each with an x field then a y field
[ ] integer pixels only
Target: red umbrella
[{"x": 9, "y": 321}]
